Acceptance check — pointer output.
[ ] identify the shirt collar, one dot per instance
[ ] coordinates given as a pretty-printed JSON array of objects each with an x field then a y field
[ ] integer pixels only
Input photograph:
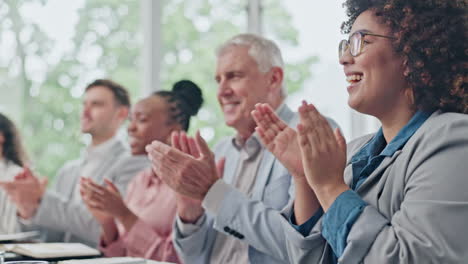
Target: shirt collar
[
  {"x": 378, "y": 146},
  {"x": 251, "y": 146},
  {"x": 405, "y": 133}
]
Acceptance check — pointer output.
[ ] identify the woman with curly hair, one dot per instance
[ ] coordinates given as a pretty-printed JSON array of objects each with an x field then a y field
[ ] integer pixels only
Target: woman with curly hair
[
  {"x": 399, "y": 195},
  {"x": 12, "y": 158}
]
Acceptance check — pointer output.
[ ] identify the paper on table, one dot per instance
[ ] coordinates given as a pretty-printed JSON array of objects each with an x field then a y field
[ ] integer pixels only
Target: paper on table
[
  {"x": 18, "y": 236},
  {"x": 119, "y": 260},
  {"x": 53, "y": 250}
]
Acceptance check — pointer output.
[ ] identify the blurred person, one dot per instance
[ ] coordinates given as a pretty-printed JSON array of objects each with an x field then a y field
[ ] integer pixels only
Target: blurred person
[
  {"x": 140, "y": 225},
  {"x": 398, "y": 195},
  {"x": 12, "y": 159},
  {"x": 60, "y": 211},
  {"x": 213, "y": 212}
]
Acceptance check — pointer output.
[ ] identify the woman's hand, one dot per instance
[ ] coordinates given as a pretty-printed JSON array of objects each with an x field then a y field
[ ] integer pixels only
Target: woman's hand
[
  {"x": 86, "y": 191},
  {"x": 323, "y": 155},
  {"x": 106, "y": 201}
]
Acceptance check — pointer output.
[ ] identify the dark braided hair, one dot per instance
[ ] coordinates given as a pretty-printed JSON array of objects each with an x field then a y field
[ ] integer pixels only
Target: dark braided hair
[
  {"x": 12, "y": 148},
  {"x": 184, "y": 100},
  {"x": 431, "y": 35}
]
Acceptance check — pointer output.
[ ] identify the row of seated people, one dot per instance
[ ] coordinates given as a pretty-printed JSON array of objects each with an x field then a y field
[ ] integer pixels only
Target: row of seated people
[{"x": 286, "y": 188}]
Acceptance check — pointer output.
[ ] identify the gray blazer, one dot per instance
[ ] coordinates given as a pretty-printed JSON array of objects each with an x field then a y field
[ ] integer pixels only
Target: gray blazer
[
  {"x": 418, "y": 205},
  {"x": 67, "y": 220},
  {"x": 239, "y": 215}
]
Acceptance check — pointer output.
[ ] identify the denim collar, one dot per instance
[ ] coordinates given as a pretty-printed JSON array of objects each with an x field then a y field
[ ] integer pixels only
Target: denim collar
[{"x": 377, "y": 143}]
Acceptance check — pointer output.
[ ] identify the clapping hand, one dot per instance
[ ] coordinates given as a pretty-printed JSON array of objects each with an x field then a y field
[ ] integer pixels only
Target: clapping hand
[
  {"x": 279, "y": 139},
  {"x": 26, "y": 191},
  {"x": 188, "y": 209},
  {"x": 323, "y": 154},
  {"x": 188, "y": 175}
]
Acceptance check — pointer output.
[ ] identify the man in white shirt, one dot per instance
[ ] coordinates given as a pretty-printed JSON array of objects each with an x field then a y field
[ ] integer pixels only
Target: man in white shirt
[{"x": 60, "y": 210}]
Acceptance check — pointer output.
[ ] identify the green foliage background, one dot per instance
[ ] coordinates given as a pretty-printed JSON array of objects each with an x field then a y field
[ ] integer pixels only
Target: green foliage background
[{"x": 107, "y": 42}]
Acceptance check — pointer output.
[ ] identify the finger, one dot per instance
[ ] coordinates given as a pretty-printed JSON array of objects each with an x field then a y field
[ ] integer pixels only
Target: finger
[
  {"x": 193, "y": 147},
  {"x": 340, "y": 140},
  {"x": 28, "y": 173},
  {"x": 275, "y": 122},
  {"x": 256, "y": 115},
  {"x": 175, "y": 139},
  {"x": 93, "y": 187},
  {"x": 260, "y": 117},
  {"x": 19, "y": 176},
  {"x": 308, "y": 120},
  {"x": 261, "y": 133},
  {"x": 322, "y": 122},
  {"x": 274, "y": 117},
  {"x": 97, "y": 197},
  {"x": 95, "y": 205},
  {"x": 183, "y": 143},
  {"x": 111, "y": 185},
  {"x": 7, "y": 186},
  {"x": 220, "y": 167},
  {"x": 202, "y": 146},
  {"x": 304, "y": 145}
]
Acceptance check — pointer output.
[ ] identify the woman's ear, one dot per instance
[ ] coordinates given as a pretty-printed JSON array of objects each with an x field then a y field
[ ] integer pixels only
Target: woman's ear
[{"x": 409, "y": 94}]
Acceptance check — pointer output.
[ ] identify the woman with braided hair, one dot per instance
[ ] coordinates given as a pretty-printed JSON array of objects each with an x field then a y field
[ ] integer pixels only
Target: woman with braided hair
[{"x": 140, "y": 225}]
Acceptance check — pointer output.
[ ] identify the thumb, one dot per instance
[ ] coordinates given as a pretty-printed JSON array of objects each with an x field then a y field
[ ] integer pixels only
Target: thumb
[
  {"x": 202, "y": 146},
  {"x": 220, "y": 167},
  {"x": 340, "y": 139},
  {"x": 111, "y": 186},
  {"x": 27, "y": 172}
]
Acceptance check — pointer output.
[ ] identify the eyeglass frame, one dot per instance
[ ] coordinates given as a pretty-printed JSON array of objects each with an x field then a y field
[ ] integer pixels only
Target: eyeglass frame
[{"x": 361, "y": 42}]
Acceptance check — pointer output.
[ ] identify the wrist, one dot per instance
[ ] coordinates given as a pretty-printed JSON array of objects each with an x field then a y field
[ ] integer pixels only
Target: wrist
[
  {"x": 128, "y": 220},
  {"x": 190, "y": 216},
  {"x": 27, "y": 212},
  {"x": 327, "y": 193}
]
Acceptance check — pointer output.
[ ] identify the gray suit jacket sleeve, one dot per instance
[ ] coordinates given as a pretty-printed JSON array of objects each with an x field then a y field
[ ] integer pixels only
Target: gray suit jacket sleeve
[
  {"x": 418, "y": 213},
  {"x": 63, "y": 214},
  {"x": 264, "y": 227},
  {"x": 196, "y": 247}
]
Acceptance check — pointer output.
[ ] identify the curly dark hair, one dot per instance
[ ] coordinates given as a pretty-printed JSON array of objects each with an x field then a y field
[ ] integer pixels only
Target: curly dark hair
[
  {"x": 431, "y": 36},
  {"x": 12, "y": 148}
]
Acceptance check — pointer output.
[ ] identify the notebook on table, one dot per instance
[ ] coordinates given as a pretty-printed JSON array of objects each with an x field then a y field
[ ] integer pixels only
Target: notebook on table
[
  {"x": 52, "y": 250},
  {"x": 119, "y": 260}
]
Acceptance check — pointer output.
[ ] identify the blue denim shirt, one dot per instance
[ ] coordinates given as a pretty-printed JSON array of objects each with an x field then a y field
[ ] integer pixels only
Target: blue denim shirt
[{"x": 347, "y": 207}]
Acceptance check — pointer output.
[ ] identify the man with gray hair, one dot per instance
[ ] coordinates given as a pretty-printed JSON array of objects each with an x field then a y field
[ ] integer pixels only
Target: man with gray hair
[{"x": 220, "y": 210}]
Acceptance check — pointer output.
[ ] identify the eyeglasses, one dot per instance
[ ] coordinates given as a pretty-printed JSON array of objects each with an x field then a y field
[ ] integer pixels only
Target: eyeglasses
[{"x": 355, "y": 43}]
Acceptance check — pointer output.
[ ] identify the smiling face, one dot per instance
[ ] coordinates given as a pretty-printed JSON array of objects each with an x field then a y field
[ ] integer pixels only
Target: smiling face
[
  {"x": 376, "y": 82},
  {"x": 241, "y": 85},
  {"x": 148, "y": 122}
]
